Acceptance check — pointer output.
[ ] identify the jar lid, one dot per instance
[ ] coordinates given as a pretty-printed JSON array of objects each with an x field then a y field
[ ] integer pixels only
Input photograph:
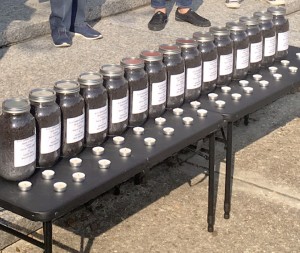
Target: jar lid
[
  {"x": 277, "y": 10},
  {"x": 151, "y": 55},
  {"x": 203, "y": 36},
  {"x": 263, "y": 15},
  {"x": 169, "y": 49},
  {"x": 186, "y": 42},
  {"x": 236, "y": 26},
  {"x": 66, "y": 86},
  {"x": 132, "y": 63},
  {"x": 249, "y": 21},
  {"x": 90, "y": 78},
  {"x": 16, "y": 105},
  {"x": 112, "y": 70},
  {"x": 41, "y": 95},
  {"x": 219, "y": 31}
]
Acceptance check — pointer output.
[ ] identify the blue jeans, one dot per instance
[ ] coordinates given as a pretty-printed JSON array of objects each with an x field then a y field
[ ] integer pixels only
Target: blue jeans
[
  {"x": 66, "y": 14},
  {"x": 162, "y": 3}
]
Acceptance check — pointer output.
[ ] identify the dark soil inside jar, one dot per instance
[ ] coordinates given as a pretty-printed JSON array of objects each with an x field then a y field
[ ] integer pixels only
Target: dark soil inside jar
[
  {"x": 254, "y": 67},
  {"x": 281, "y": 29},
  {"x": 210, "y": 86},
  {"x": 268, "y": 60},
  {"x": 192, "y": 94},
  {"x": 223, "y": 79},
  {"x": 239, "y": 74}
]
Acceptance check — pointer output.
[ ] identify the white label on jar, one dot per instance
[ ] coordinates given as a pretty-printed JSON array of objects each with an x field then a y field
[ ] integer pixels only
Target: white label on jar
[
  {"x": 270, "y": 46},
  {"x": 242, "y": 58},
  {"x": 210, "y": 70},
  {"x": 283, "y": 41},
  {"x": 256, "y": 52},
  {"x": 24, "y": 151},
  {"x": 50, "y": 139},
  {"x": 159, "y": 93},
  {"x": 140, "y": 101},
  {"x": 97, "y": 120},
  {"x": 193, "y": 78},
  {"x": 75, "y": 129},
  {"x": 177, "y": 84},
  {"x": 226, "y": 64},
  {"x": 119, "y": 110}
]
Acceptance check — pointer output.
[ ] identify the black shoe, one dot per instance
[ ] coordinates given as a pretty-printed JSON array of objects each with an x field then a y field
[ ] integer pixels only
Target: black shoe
[
  {"x": 61, "y": 37},
  {"x": 86, "y": 31},
  {"x": 158, "y": 21},
  {"x": 193, "y": 18}
]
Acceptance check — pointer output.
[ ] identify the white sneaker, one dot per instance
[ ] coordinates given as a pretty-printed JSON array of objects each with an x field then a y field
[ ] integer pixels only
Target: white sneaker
[
  {"x": 276, "y": 2},
  {"x": 233, "y": 4}
]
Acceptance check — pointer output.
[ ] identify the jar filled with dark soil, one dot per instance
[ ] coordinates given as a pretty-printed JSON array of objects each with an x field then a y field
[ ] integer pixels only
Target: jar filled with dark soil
[
  {"x": 72, "y": 111},
  {"x": 255, "y": 42},
  {"x": 269, "y": 37},
  {"x": 138, "y": 90},
  {"x": 225, "y": 54},
  {"x": 175, "y": 74},
  {"x": 193, "y": 68},
  {"x": 241, "y": 55},
  {"x": 17, "y": 140},
  {"x": 157, "y": 79},
  {"x": 118, "y": 99},
  {"x": 209, "y": 56},
  {"x": 96, "y": 108},
  {"x": 48, "y": 126},
  {"x": 282, "y": 31}
]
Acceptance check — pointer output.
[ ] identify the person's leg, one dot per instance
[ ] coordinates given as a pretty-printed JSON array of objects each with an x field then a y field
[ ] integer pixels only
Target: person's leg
[{"x": 160, "y": 17}]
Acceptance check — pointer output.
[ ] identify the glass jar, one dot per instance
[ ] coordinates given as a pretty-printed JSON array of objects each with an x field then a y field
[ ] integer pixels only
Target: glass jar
[
  {"x": 269, "y": 37},
  {"x": 117, "y": 90},
  {"x": 225, "y": 54},
  {"x": 282, "y": 31},
  {"x": 138, "y": 90},
  {"x": 72, "y": 111},
  {"x": 96, "y": 109},
  {"x": 175, "y": 74},
  {"x": 48, "y": 126},
  {"x": 209, "y": 56},
  {"x": 240, "y": 49},
  {"x": 157, "y": 79},
  {"x": 17, "y": 140},
  {"x": 193, "y": 68},
  {"x": 255, "y": 42}
]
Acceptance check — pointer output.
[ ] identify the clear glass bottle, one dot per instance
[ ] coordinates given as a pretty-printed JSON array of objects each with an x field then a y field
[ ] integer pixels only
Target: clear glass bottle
[
  {"x": 241, "y": 56},
  {"x": 282, "y": 31},
  {"x": 48, "y": 126},
  {"x": 72, "y": 111},
  {"x": 225, "y": 54},
  {"x": 118, "y": 98},
  {"x": 138, "y": 90},
  {"x": 96, "y": 108},
  {"x": 209, "y": 56},
  {"x": 157, "y": 78},
  {"x": 17, "y": 140},
  {"x": 175, "y": 74},
  {"x": 193, "y": 68}
]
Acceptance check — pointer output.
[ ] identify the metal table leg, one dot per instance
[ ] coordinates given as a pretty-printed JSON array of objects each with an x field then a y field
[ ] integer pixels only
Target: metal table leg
[
  {"x": 211, "y": 184},
  {"x": 47, "y": 229}
]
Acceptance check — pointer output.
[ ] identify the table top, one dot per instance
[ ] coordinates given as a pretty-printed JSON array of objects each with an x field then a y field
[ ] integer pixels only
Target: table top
[
  {"x": 260, "y": 97},
  {"x": 42, "y": 203}
]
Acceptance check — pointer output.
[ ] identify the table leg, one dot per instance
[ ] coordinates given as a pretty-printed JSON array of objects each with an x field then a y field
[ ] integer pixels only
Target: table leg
[
  {"x": 47, "y": 229},
  {"x": 211, "y": 184}
]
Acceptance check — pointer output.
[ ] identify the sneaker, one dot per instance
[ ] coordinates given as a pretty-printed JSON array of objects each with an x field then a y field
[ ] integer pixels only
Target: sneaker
[
  {"x": 233, "y": 4},
  {"x": 276, "y": 2},
  {"x": 158, "y": 21},
  {"x": 86, "y": 31},
  {"x": 61, "y": 37},
  {"x": 192, "y": 18}
]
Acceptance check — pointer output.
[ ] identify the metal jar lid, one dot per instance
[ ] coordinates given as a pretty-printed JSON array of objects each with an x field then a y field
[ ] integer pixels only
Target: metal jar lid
[
  {"x": 263, "y": 15},
  {"x": 219, "y": 31},
  {"x": 236, "y": 26},
  {"x": 248, "y": 21},
  {"x": 90, "y": 78},
  {"x": 169, "y": 49},
  {"x": 16, "y": 105},
  {"x": 277, "y": 10},
  {"x": 67, "y": 86},
  {"x": 41, "y": 95},
  {"x": 203, "y": 36},
  {"x": 132, "y": 63},
  {"x": 112, "y": 70},
  {"x": 186, "y": 42},
  {"x": 151, "y": 55}
]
